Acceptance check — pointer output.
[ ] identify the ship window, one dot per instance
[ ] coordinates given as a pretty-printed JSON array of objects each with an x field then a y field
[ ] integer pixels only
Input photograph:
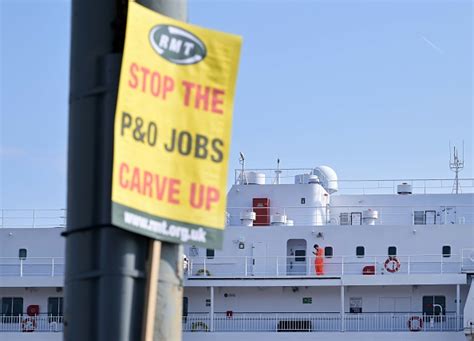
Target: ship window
[
  {"x": 328, "y": 251},
  {"x": 356, "y": 218},
  {"x": 360, "y": 251},
  {"x": 419, "y": 217},
  {"x": 303, "y": 201},
  {"x": 300, "y": 255},
  {"x": 392, "y": 251},
  {"x": 55, "y": 306},
  {"x": 12, "y": 306},
  {"x": 344, "y": 219},
  {"x": 424, "y": 217},
  {"x": 446, "y": 251},
  {"x": 210, "y": 253},
  {"x": 22, "y": 253},
  {"x": 430, "y": 217},
  {"x": 434, "y": 305}
]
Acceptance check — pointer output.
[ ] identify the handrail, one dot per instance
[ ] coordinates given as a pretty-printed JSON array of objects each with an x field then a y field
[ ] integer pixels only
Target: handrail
[
  {"x": 320, "y": 322},
  {"x": 311, "y": 215},
  {"x": 56, "y": 218},
  {"x": 270, "y": 322},
  {"x": 32, "y": 266},
  {"x": 32, "y": 218},
  {"x": 37, "y": 323},
  {"x": 334, "y": 266},
  {"x": 286, "y": 176}
]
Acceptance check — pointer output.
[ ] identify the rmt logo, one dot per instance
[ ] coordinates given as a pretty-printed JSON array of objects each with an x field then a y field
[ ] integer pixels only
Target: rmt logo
[{"x": 177, "y": 45}]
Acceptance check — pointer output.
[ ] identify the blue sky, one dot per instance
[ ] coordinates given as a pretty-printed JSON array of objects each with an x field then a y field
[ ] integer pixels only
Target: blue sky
[{"x": 374, "y": 89}]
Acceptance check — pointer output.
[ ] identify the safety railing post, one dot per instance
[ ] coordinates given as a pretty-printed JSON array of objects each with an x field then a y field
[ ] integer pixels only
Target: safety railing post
[
  {"x": 441, "y": 263},
  {"x": 52, "y": 267},
  {"x": 205, "y": 269},
  {"x": 34, "y": 217},
  {"x": 21, "y": 267},
  {"x": 246, "y": 266},
  {"x": 277, "y": 271},
  {"x": 1, "y": 220},
  {"x": 409, "y": 264}
]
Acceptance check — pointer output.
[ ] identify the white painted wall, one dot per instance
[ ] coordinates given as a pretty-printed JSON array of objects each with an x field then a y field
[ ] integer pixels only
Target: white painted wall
[
  {"x": 32, "y": 296},
  {"x": 324, "y": 299},
  {"x": 284, "y": 198},
  {"x": 397, "y": 209},
  {"x": 409, "y": 240},
  {"x": 40, "y": 242},
  {"x": 393, "y": 209}
]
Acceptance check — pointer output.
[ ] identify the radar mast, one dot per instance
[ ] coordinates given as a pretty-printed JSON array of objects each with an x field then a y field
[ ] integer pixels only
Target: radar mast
[{"x": 456, "y": 164}]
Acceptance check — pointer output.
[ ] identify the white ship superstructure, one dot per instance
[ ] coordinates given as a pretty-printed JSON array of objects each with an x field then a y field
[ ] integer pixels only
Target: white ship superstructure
[{"x": 397, "y": 263}]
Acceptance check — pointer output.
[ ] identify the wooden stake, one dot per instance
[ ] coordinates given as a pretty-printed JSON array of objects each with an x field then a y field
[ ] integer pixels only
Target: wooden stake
[{"x": 151, "y": 290}]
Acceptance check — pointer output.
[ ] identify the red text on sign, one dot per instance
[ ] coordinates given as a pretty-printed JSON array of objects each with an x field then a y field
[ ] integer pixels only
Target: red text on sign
[
  {"x": 150, "y": 81},
  {"x": 162, "y": 188},
  {"x": 203, "y": 197},
  {"x": 203, "y": 97}
]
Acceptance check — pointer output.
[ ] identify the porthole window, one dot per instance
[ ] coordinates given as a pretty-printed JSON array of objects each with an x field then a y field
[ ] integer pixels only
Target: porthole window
[
  {"x": 22, "y": 253},
  {"x": 328, "y": 251},
  {"x": 446, "y": 251},
  {"x": 210, "y": 253},
  {"x": 360, "y": 251},
  {"x": 392, "y": 251}
]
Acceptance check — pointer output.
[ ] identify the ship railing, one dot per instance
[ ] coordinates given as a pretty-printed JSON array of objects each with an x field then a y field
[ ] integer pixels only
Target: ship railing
[
  {"x": 32, "y": 218},
  {"x": 270, "y": 322},
  {"x": 361, "y": 186},
  {"x": 31, "y": 323},
  {"x": 31, "y": 266},
  {"x": 333, "y": 266},
  {"x": 272, "y": 175},
  {"x": 352, "y": 215},
  {"x": 419, "y": 186},
  {"x": 307, "y": 215},
  {"x": 321, "y": 322}
]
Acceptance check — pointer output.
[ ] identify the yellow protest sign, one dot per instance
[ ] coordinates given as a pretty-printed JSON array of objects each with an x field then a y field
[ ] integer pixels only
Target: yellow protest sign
[{"x": 172, "y": 129}]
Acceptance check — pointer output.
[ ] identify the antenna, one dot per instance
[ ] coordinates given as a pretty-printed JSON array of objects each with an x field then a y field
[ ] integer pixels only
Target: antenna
[
  {"x": 277, "y": 172},
  {"x": 243, "y": 179},
  {"x": 456, "y": 165}
]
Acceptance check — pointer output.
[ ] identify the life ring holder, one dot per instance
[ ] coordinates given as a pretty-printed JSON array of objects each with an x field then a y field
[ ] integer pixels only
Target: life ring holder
[
  {"x": 199, "y": 327},
  {"x": 393, "y": 260},
  {"x": 28, "y": 325},
  {"x": 414, "y": 328}
]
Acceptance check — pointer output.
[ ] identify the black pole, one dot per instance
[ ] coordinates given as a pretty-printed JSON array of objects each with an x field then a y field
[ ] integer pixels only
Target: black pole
[{"x": 105, "y": 266}]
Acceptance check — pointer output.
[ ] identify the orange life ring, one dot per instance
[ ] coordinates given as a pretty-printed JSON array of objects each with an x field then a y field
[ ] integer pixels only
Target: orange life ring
[
  {"x": 415, "y": 328},
  {"x": 395, "y": 267},
  {"x": 28, "y": 325}
]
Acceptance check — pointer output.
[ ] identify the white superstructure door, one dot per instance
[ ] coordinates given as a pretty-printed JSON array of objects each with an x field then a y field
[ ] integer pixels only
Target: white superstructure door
[{"x": 259, "y": 259}]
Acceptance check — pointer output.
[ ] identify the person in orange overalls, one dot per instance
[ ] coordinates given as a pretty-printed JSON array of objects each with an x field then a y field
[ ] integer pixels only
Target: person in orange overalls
[{"x": 318, "y": 260}]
